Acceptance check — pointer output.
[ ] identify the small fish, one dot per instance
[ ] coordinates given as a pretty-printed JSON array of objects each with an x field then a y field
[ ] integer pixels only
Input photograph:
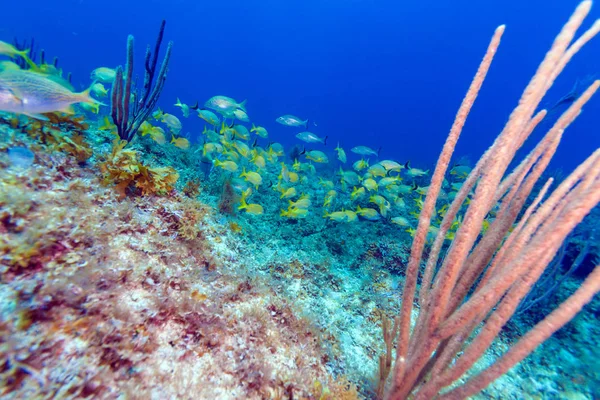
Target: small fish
[
  {"x": 209, "y": 116},
  {"x": 185, "y": 109},
  {"x": 310, "y": 137},
  {"x": 377, "y": 170},
  {"x": 252, "y": 208},
  {"x": 400, "y": 221},
  {"x": 252, "y": 177},
  {"x": 156, "y": 133},
  {"x": 226, "y": 165},
  {"x": 172, "y": 122},
  {"x": 288, "y": 193},
  {"x": 461, "y": 171},
  {"x": 241, "y": 132},
  {"x": 317, "y": 156},
  {"x": 368, "y": 213},
  {"x": 302, "y": 202},
  {"x": 360, "y": 164},
  {"x": 329, "y": 197},
  {"x": 260, "y": 131},
  {"x": 294, "y": 213},
  {"x": 365, "y": 151},
  {"x": 182, "y": 143},
  {"x": 104, "y": 75},
  {"x": 99, "y": 90},
  {"x": 7, "y": 49},
  {"x": 341, "y": 153},
  {"x": 390, "y": 165},
  {"x": 357, "y": 193},
  {"x": 337, "y": 216},
  {"x": 241, "y": 115},
  {"x": 290, "y": 120},
  {"x": 326, "y": 184},
  {"x": 350, "y": 177},
  {"x": 224, "y": 104},
  {"x": 106, "y": 125},
  {"x": 414, "y": 172},
  {"x": 258, "y": 160},
  {"x": 370, "y": 184},
  {"x": 32, "y": 94}
]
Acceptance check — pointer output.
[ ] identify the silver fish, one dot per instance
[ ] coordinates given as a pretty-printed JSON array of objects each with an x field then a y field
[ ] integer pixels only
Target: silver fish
[
  {"x": 364, "y": 151},
  {"x": 224, "y": 104},
  {"x": 310, "y": 137},
  {"x": 290, "y": 120},
  {"x": 32, "y": 94}
]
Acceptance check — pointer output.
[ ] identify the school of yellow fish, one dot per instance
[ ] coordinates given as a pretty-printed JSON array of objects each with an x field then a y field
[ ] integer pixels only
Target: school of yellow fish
[{"x": 366, "y": 189}]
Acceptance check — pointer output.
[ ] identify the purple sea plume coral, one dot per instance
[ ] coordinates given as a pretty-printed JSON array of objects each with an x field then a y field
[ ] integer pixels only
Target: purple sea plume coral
[{"x": 129, "y": 109}]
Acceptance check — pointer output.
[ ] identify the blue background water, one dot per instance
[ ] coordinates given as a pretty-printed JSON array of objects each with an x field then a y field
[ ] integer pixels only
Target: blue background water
[{"x": 375, "y": 72}]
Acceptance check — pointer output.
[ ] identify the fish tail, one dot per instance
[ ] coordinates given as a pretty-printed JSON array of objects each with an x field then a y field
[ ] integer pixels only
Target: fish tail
[
  {"x": 242, "y": 105},
  {"x": 306, "y": 123},
  {"x": 86, "y": 97},
  {"x": 325, "y": 140}
]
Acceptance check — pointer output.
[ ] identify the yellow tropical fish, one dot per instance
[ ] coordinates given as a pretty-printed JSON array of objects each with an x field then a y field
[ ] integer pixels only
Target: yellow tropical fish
[
  {"x": 106, "y": 125},
  {"x": 104, "y": 75},
  {"x": 390, "y": 165},
  {"x": 258, "y": 160},
  {"x": 368, "y": 213},
  {"x": 377, "y": 170},
  {"x": 7, "y": 49},
  {"x": 288, "y": 193},
  {"x": 99, "y": 90},
  {"x": 317, "y": 156},
  {"x": 414, "y": 172},
  {"x": 252, "y": 177},
  {"x": 294, "y": 213},
  {"x": 360, "y": 164},
  {"x": 182, "y": 143},
  {"x": 302, "y": 202},
  {"x": 252, "y": 209},
  {"x": 350, "y": 216},
  {"x": 357, "y": 193},
  {"x": 260, "y": 131},
  {"x": 340, "y": 153},
  {"x": 230, "y": 166},
  {"x": 293, "y": 177},
  {"x": 185, "y": 109},
  {"x": 284, "y": 174},
  {"x": 329, "y": 198},
  {"x": 370, "y": 185},
  {"x": 337, "y": 216},
  {"x": 326, "y": 184},
  {"x": 400, "y": 221}
]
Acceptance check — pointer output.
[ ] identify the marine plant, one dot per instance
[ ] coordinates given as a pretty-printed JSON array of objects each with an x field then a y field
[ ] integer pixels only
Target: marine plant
[
  {"x": 129, "y": 109},
  {"x": 123, "y": 168},
  {"x": 465, "y": 301}
]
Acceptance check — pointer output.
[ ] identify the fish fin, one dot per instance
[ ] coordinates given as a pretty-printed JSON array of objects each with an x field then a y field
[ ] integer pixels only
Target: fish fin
[
  {"x": 325, "y": 141},
  {"x": 194, "y": 107},
  {"x": 242, "y": 105},
  {"x": 68, "y": 110},
  {"x": 85, "y": 97},
  {"x": 37, "y": 116}
]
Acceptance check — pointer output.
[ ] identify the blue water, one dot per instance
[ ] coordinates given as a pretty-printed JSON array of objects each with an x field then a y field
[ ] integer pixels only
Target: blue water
[{"x": 377, "y": 73}]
